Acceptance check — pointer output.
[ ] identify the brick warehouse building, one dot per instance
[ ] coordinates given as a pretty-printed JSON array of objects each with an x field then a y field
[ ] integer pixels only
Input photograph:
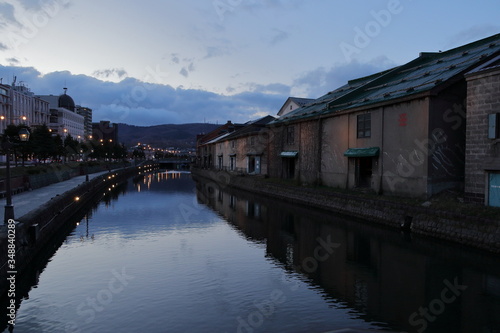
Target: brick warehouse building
[
  {"x": 398, "y": 132},
  {"x": 415, "y": 130},
  {"x": 482, "y": 164}
]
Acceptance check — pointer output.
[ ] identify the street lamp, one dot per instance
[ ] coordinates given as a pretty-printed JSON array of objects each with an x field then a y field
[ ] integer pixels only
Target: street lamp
[{"x": 24, "y": 136}]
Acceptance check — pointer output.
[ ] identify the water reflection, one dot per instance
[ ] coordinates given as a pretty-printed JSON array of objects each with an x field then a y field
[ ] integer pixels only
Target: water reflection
[
  {"x": 412, "y": 284},
  {"x": 141, "y": 238},
  {"x": 29, "y": 280},
  {"x": 150, "y": 257}
]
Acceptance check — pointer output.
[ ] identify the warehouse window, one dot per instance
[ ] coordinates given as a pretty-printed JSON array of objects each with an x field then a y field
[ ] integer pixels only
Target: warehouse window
[
  {"x": 494, "y": 126},
  {"x": 364, "y": 125}
]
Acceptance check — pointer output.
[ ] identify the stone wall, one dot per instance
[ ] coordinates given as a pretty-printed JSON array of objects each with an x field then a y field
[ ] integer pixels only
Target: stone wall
[{"x": 471, "y": 231}]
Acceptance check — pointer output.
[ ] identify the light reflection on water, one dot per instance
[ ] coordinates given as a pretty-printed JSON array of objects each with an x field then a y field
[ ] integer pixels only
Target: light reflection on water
[
  {"x": 158, "y": 261},
  {"x": 169, "y": 256}
]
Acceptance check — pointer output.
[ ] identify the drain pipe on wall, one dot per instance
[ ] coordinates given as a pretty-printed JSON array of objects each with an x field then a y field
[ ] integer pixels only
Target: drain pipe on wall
[
  {"x": 381, "y": 156},
  {"x": 348, "y": 161}
]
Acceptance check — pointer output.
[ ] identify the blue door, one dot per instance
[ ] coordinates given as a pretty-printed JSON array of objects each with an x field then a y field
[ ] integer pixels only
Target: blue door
[
  {"x": 257, "y": 164},
  {"x": 494, "y": 190}
]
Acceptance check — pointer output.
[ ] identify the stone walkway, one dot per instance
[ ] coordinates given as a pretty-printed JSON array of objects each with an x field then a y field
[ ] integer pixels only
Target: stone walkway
[{"x": 27, "y": 201}]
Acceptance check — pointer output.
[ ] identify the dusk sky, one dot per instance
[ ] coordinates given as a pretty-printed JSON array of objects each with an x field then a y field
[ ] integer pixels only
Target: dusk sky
[{"x": 160, "y": 62}]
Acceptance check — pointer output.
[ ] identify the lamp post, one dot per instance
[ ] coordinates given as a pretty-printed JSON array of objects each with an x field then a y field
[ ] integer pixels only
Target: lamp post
[{"x": 24, "y": 136}]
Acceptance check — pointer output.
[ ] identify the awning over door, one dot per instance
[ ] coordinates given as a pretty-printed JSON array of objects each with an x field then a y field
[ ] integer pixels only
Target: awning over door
[
  {"x": 362, "y": 152},
  {"x": 289, "y": 154}
]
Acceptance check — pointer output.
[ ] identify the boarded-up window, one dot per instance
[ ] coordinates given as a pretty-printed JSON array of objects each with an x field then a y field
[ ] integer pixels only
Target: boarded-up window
[{"x": 290, "y": 135}]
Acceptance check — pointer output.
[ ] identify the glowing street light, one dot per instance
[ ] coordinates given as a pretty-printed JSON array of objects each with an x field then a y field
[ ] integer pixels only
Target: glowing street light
[{"x": 24, "y": 135}]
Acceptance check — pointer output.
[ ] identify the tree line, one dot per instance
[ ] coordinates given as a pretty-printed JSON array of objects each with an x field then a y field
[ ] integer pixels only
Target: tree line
[{"x": 43, "y": 146}]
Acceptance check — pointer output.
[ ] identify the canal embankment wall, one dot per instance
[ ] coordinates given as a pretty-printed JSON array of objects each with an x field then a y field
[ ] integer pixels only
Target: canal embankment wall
[
  {"x": 477, "y": 232},
  {"x": 36, "y": 229}
]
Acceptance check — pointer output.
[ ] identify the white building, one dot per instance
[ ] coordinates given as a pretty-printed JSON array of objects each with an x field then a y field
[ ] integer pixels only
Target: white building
[
  {"x": 293, "y": 103},
  {"x": 18, "y": 105},
  {"x": 64, "y": 120},
  {"x": 87, "y": 119},
  {"x": 4, "y": 106}
]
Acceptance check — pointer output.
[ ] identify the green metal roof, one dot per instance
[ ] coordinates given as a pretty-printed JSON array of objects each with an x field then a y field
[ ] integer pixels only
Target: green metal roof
[
  {"x": 319, "y": 105},
  {"x": 427, "y": 72},
  {"x": 362, "y": 152}
]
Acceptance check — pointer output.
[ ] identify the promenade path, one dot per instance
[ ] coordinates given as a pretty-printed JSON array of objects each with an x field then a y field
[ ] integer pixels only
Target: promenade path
[{"x": 27, "y": 201}]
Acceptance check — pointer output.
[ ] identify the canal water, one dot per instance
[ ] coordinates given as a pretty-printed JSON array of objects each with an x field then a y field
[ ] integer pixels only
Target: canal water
[{"x": 166, "y": 253}]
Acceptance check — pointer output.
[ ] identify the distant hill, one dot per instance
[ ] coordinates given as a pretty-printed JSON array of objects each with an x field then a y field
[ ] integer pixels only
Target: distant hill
[{"x": 181, "y": 136}]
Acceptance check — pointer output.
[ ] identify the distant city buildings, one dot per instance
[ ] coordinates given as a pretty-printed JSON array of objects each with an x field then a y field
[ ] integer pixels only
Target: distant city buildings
[
  {"x": 87, "y": 120},
  {"x": 237, "y": 147},
  {"x": 105, "y": 131},
  {"x": 18, "y": 105}
]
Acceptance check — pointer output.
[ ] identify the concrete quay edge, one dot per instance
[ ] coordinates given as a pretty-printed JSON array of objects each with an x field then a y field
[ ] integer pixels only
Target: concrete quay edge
[{"x": 469, "y": 231}]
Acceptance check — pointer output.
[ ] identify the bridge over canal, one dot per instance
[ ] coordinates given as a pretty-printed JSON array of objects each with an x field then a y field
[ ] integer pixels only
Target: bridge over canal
[{"x": 175, "y": 163}]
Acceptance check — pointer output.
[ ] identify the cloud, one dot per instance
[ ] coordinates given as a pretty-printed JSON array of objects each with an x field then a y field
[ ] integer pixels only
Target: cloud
[
  {"x": 7, "y": 14},
  {"x": 47, "y": 5},
  {"x": 110, "y": 73},
  {"x": 186, "y": 63},
  {"x": 271, "y": 89},
  {"x": 32, "y": 5},
  {"x": 272, "y": 4},
  {"x": 13, "y": 61},
  {"x": 217, "y": 51},
  {"x": 319, "y": 81},
  {"x": 472, "y": 34},
  {"x": 174, "y": 57},
  {"x": 21, "y": 20},
  {"x": 184, "y": 72},
  {"x": 3, "y": 47},
  {"x": 135, "y": 102},
  {"x": 279, "y": 37}
]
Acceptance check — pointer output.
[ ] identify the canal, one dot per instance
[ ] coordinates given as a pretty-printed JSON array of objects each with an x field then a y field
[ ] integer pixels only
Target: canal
[{"x": 166, "y": 253}]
